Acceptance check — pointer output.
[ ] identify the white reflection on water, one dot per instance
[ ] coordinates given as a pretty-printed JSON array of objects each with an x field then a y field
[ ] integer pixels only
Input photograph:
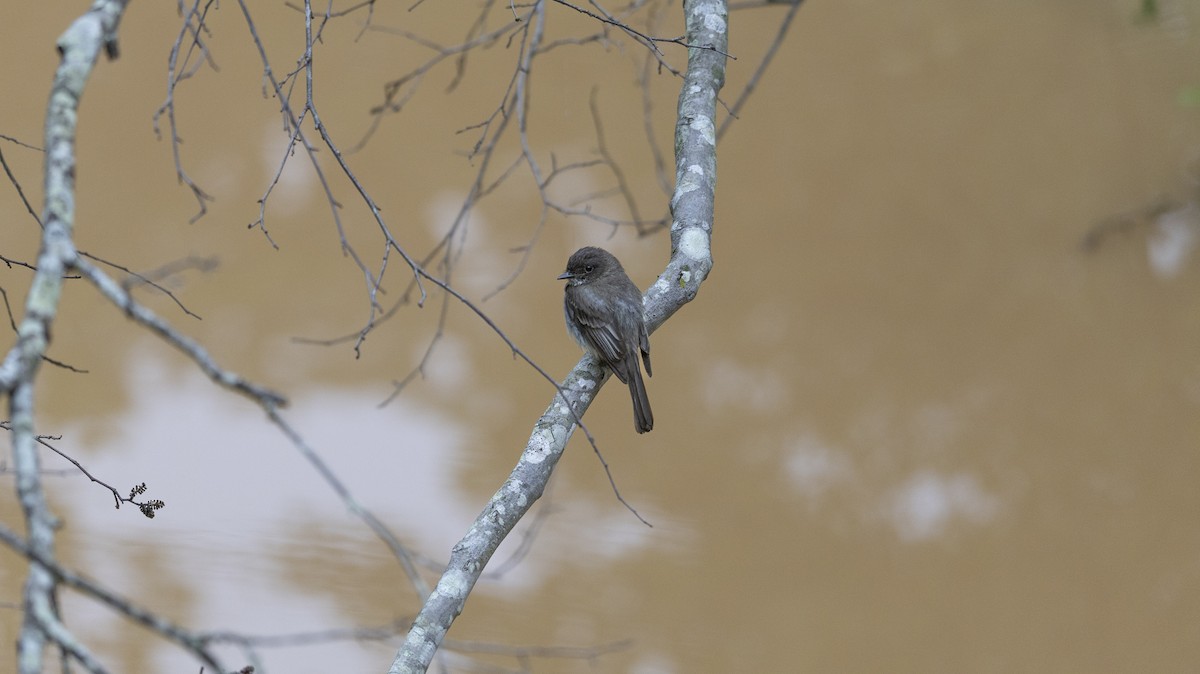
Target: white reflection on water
[
  {"x": 654, "y": 664},
  {"x": 239, "y": 498},
  {"x": 1173, "y": 240},
  {"x": 733, "y": 386},
  {"x": 815, "y": 468},
  {"x": 917, "y": 506},
  {"x": 928, "y": 502},
  {"x": 247, "y": 518}
]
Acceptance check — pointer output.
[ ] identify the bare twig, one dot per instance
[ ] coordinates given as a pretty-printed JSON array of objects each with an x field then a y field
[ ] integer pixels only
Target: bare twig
[
  {"x": 148, "y": 508},
  {"x": 400, "y": 90},
  {"x": 151, "y": 278},
  {"x": 660, "y": 164},
  {"x": 649, "y": 41},
  {"x": 13, "y": 179},
  {"x": 17, "y": 141},
  {"x": 295, "y": 122},
  {"x": 379, "y": 528},
  {"x": 784, "y": 25},
  {"x": 192, "y": 27},
  {"x": 119, "y": 296},
  {"x": 609, "y": 161}
]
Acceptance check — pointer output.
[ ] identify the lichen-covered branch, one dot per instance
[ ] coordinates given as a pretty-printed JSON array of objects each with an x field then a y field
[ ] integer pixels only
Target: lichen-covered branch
[
  {"x": 79, "y": 47},
  {"x": 692, "y": 207}
]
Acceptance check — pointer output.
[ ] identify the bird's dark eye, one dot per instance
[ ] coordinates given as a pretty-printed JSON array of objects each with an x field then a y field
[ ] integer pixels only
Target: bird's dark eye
[{"x": 589, "y": 268}]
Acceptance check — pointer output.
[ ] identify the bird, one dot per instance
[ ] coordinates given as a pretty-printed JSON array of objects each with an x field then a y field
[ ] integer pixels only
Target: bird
[{"x": 603, "y": 310}]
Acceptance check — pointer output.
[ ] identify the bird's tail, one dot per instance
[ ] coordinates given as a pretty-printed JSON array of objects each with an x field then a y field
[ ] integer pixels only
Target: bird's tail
[{"x": 643, "y": 418}]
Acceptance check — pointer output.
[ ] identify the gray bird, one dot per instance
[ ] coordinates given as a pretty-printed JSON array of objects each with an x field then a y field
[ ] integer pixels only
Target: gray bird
[{"x": 603, "y": 309}]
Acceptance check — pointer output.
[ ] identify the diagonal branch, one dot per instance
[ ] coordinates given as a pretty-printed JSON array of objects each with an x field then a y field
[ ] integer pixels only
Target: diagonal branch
[
  {"x": 691, "y": 229},
  {"x": 119, "y": 296}
]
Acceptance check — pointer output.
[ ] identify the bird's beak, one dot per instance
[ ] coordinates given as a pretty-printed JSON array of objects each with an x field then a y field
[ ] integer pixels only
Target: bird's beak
[{"x": 566, "y": 275}]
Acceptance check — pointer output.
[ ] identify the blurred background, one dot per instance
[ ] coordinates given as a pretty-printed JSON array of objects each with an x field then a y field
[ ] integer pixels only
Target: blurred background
[{"x": 937, "y": 408}]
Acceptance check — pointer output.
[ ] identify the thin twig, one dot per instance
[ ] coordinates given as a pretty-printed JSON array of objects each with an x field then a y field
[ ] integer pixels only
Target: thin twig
[
  {"x": 193, "y": 25},
  {"x": 752, "y": 83},
  {"x": 120, "y": 297},
  {"x": 203, "y": 264},
  {"x": 15, "y": 183}
]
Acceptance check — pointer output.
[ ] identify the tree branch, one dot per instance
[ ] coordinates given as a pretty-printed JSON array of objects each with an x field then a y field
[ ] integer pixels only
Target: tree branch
[
  {"x": 691, "y": 229},
  {"x": 78, "y": 48}
]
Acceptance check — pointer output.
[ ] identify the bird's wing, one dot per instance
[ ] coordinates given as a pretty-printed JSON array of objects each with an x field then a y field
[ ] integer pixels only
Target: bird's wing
[
  {"x": 644, "y": 340},
  {"x": 603, "y": 340}
]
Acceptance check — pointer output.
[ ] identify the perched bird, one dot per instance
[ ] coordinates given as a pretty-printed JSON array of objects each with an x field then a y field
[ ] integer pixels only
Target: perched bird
[{"x": 604, "y": 314}]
